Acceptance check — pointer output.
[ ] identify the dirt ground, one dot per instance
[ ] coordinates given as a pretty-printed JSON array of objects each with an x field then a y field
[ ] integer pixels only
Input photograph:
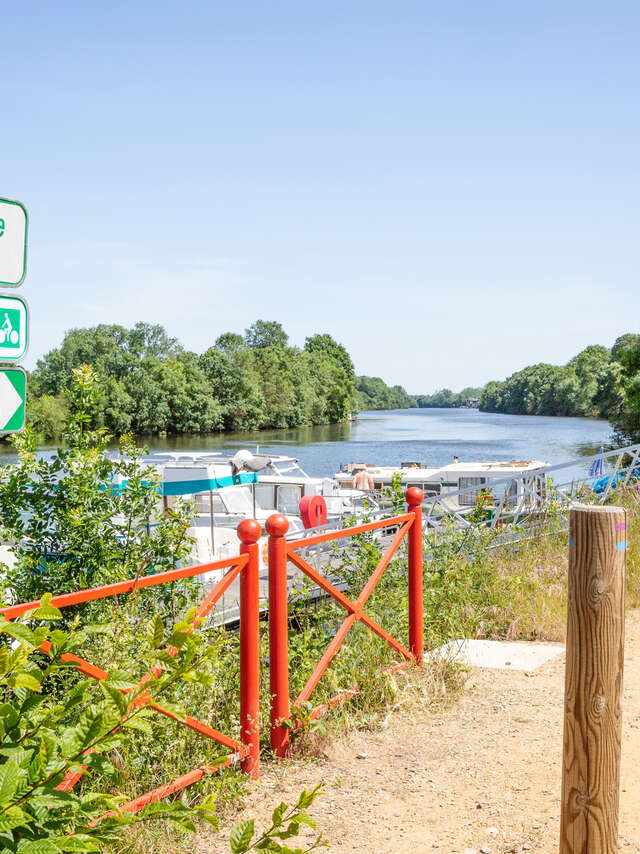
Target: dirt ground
[{"x": 481, "y": 776}]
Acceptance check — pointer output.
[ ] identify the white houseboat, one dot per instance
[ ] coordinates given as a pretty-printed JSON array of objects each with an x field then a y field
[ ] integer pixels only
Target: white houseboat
[
  {"x": 457, "y": 485},
  {"x": 227, "y": 490}
]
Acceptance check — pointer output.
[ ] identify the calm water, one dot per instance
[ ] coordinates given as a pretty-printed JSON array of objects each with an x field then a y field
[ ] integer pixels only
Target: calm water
[{"x": 428, "y": 435}]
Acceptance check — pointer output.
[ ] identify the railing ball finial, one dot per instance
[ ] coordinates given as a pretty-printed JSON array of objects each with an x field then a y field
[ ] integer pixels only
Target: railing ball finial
[
  {"x": 277, "y": 525},
  {"x": 414, "y": 496},
  {"x": 249, "y": 531}
]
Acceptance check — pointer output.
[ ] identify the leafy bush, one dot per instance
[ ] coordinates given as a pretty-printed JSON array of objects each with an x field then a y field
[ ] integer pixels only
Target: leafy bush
[
  {"x": 47, "y": 733},
  {"x": 80, "y": 518},
  {"x": 286, "y": 823}
]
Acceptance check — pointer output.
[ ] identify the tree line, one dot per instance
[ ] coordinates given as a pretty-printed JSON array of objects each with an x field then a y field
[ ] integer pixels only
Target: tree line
[
  {"x": 444, "y": 398},
  {"x": 599, "y": 382},
  {"x": 149, "y": 384}
]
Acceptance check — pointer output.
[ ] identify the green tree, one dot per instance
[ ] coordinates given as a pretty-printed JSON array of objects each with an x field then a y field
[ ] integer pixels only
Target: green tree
[
  {"x": 265, "y": 333},
  {"x": 47, "y": 416},
  {"x": 235, "y": 384},
  {"x": 80, "y": 518},
  {"x": 626, "y": 352},
  {"x": 336, "y": 352},
  {"x": 229, "y": 342}
]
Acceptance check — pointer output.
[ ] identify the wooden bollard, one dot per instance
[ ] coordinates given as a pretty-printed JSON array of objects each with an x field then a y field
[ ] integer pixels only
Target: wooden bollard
[{"x": 593, "y": 684}]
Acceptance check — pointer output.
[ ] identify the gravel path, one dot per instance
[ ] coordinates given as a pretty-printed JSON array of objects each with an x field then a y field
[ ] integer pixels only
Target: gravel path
[{"x": 482, "y": 776}]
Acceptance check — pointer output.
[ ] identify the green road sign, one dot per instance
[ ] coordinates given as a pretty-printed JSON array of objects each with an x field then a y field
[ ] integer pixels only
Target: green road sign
[
  {"x": 13, "y": 399},
  {"x": 14, "y": 328},
  {"x": 13, "y": 243}
]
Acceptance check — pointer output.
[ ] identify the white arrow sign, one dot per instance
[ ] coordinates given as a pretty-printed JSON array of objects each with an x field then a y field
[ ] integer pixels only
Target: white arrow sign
[
  {"x": 13, "y": 243},
  {"x": 13, "y": 395}
]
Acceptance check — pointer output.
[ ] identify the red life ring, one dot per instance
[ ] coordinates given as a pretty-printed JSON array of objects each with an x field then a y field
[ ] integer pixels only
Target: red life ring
[{"x": 313, "y": 511}]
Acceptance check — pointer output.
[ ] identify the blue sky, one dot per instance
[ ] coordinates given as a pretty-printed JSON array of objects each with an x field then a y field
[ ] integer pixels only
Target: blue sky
[{"x": 450, "y": 190}]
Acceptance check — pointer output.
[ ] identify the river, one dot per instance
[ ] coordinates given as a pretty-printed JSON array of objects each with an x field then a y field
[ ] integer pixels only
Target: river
[{"x": 433, "y": 436}]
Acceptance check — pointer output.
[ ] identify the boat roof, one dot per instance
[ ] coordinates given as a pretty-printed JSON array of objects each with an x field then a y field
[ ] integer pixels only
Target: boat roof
[
  {"x": 497, "y": 467},
  {"x": 200, "y": 457}
]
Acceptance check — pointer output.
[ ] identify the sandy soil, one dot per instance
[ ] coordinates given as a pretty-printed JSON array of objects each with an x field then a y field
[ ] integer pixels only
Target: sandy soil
[{"x": 482, "y": 776}]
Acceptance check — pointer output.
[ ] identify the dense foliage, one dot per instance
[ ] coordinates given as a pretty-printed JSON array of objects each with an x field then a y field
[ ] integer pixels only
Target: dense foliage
[
  {"x": 67, "y": 517},
  {"x": 374, "y": 393},
  {"x": 588, "y": 385},
  {"x": 150, "y": 384},
  {"x": 48, "y": 732},
  {"x": 598, "y": 382},
  {"x": 444, "y": 398},
  {"x": 626, "y": 355}
]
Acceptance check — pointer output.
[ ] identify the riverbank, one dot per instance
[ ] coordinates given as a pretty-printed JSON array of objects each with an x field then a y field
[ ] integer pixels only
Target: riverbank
[
  {"x": 516, "y": 592},
  {"x": 482, "y": 774},
  {"x": 392, "y": 437}
]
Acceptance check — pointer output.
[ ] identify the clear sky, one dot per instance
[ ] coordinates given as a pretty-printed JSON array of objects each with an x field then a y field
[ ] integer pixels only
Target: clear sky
[{"x": 450, "y": 189}]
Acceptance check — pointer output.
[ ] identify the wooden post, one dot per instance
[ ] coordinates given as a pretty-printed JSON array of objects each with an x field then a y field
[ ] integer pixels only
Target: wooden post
[{"x": 593, "y": 685}]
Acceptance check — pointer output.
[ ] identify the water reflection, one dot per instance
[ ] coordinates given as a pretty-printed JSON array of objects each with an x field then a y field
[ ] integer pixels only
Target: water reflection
[{"x": 433, "y": 436}]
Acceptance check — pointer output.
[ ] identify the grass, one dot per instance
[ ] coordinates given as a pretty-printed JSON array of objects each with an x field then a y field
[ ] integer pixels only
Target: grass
[{"x": 474, "y": 587}]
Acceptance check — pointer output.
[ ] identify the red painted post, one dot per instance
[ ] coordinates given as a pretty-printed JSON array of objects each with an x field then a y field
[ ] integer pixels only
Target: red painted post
[
  {"x": 415, "y": 497},
  {"x": 277, "y": 527},
  {"x": 249, "y": 532}
]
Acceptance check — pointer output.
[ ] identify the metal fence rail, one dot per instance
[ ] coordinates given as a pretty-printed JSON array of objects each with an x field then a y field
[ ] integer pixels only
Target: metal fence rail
[
  {"x": 280, "y": 551},
  {"x": 524, "y": 498},
  {"x": 246, "y": 566}
]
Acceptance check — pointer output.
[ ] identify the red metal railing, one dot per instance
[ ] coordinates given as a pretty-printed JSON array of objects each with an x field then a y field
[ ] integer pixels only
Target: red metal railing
[
  {"x": 280, "y": 551},
  {"x": 246, "y": 565}
]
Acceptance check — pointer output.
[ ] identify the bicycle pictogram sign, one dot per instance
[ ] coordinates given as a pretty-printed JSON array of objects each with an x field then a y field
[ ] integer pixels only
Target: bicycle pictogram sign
[
  {"x": 9, "y": 328},
  {"x": 14, "y": 328}
]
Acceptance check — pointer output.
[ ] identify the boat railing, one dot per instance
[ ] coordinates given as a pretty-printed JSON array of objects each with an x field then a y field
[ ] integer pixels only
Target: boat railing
[{"x": 520, "y": 499}]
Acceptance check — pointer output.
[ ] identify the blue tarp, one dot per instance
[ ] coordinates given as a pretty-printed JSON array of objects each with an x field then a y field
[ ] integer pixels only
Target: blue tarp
[{"x": 601, "y": 484}]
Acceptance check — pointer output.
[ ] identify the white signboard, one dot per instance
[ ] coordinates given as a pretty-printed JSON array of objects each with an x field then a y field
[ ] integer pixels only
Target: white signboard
[{"x": 13, "y": 243}]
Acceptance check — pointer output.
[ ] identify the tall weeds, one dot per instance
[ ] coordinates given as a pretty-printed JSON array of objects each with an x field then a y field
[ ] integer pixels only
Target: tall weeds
[{"x": 474, "y": 586}]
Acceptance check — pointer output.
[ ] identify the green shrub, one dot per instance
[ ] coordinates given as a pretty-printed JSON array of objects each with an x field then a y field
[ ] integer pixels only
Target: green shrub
[{"x": 47, "y": 733}]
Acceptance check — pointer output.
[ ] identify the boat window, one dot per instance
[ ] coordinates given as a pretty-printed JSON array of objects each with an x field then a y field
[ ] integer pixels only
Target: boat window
[
  {"x": 432, "y": 488},
  {"x": 265, "y": 496},
  {"x": 203, "y": 503},
  {"x": 218, "y": 504},
  {"x": 201, "y": 500},
  {"x": 289, "y": 499},
  {"x": 238, "y": 499},
  {"x": 470, "y": 497}
]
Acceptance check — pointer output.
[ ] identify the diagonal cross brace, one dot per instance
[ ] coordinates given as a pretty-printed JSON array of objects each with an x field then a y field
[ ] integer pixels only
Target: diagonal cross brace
[
  {"x": 145, "y": 699},
  {"x": 355, "y": 609}
]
